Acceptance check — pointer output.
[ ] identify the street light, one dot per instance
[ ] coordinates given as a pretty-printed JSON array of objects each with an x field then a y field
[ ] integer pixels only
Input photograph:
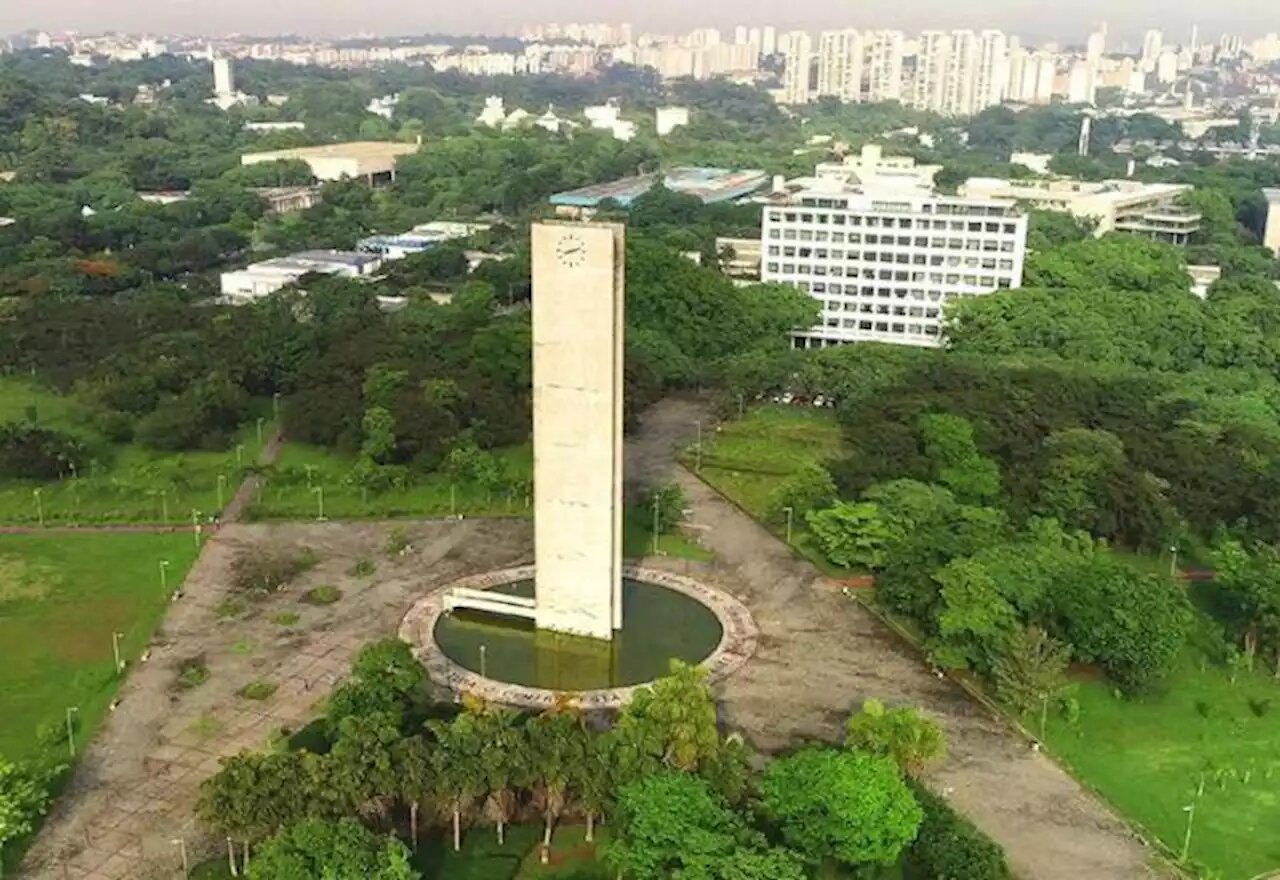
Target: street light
[
  {"x": 1173, "y": 561},
  {"x": 164, "y": 575},
  {"x": 222, "y": 487},
  {"x": 657, "y": 526},
  {"x": 698, "y": 459},
  {"x": 71, "y": 731},
  {"x": 115, "y": 650},
  {"x": 195, "y": 526},
  {"x": 484, "y": 666},
  {"x": 275, "y": 406},
  {"x": 318, "y": 491},
  {"x": 239, "y": 455},
  {"x": 791, "y": 513},
  {"x": 39, "y": 506},
  {"x": 181, "y": 844},
  {"x": 1190, "y": 810},
  {"x": 260, "y": 421}
]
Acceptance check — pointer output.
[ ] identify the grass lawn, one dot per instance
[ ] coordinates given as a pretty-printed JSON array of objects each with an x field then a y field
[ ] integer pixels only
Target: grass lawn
[
  {"x": 61, "y": 598},
  {"x": 1148, "y": 758},
  {"x": 126, "y": 482},
  {"x": 748, "y": 459},
  {"x": 291, "y": 493}
]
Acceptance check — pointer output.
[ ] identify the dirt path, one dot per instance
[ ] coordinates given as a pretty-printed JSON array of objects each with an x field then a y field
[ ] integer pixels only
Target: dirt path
[
  {"x": 821, "y": 655},
  {"x": 135, "y": 789},
  {"x": 249, "y": 488}
]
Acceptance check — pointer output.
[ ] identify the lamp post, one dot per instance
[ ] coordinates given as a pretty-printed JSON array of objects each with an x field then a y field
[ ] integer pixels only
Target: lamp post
[
  {"x": 484, "y": 664},
  {"x": 791, "y": 514},
  {"x": 164, "y": 575},
  {"x": 1190, "y": 810},
  {"x": 698, "y": 455},
  {"x": 239, "y": 455},
  {"x": 260, "y": 421},
  {"x": 275, "y": 406},
  {"x": 195, "y": 527},
  {"x": 222, "y": 488},
  {"x": 39, "y": 506},
  {"x": 1173, "y": 561},
  {"x": 71, "y": 731},
  {"x": 181, "y": 844},
  {"x": 115, "y": 650},
  {"x": 657, "y": 525},
  {"x": 318, "y": 491}
]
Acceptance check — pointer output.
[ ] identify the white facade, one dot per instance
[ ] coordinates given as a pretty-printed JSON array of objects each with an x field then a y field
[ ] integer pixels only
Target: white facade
[
  {"x": 840, "y": 57},
  {"x": 668, "y": 119},
  {"x": 1167, "y": 67},
  {"x": 259, "y": 280},
  {"x": 578, "y": 302},
  {"x": 960, "y": 74},
  {"x": 1271, "y": 237},
  {"x": 884, "y": 65},
  {"x": 992, "y": 84},
  {"x": 795, "y": 82},
  {"x": 1152, "y": 46},
  {"x": 884, "y": 263},
  {"x": 931, "y": 70},
  {"x": 224, "y": 82}
]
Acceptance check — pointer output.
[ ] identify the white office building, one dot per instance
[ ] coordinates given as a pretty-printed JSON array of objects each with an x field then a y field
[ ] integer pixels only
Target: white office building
[
  {"x": 840, "y": 56},
  {"x": 1271, "y": 234},
  {"x": 799, "y": 59},
  {"x": 992, "y": 85},
  {"x": 262, "y": 279},
  {"x": 224, "y": 81},
  {"x": 884, "y": 263},
  {"x": 1152, "y": 46},
  {"x": 884, "y": 65}
]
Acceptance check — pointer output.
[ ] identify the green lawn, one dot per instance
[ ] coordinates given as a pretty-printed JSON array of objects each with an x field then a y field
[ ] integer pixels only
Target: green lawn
[
  {"x": 291, "y": 493},
  {"x": 125, "y": 483},
  {"x": 746, "y": 460},
  {"x": 61, "y": 598},
  {"x": 1148, "y": 758}
]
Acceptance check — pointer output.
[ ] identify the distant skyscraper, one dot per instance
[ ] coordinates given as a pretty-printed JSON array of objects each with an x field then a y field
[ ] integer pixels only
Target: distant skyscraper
[
  {"x": 1152, "y": 46},
  {"x": 795, "y": 82},
  {"x": 224, "y": 83},
  {"x": 884, "y": 65},
  {"x": 931, "y": 70},
  {"x": 992, "y": 84},
  {"x": 960, "y": 76},
  {"x": 740, "y": 34},
  {"x": 840, "y": 56},
  {"x": 769, "y": 40}
]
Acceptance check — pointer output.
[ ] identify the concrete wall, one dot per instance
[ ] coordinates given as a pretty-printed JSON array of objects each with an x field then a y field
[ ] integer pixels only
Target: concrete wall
[
  {"x": 578, "y": 279},
  {"x": 1271, "y": 238}
]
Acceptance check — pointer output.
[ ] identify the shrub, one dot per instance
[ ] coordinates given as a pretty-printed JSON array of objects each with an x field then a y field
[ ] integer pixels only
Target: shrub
[
  {"x": 257, "y": 690},
  {"x": 285, "y": 618},
  {"x": 397, "y": 542},
  {"x": 363, "y": 568},
  {"x": 31, "y": 452},
  {"x": 949, "y": 847},
  {"x": 326, "y": 595},
  {"x": 265, "y": 570},
  {"x": 192, "y": 672}
]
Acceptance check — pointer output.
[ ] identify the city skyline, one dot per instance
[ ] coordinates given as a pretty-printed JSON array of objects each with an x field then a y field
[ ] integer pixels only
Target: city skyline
[{"x": 1126, "y": 23}]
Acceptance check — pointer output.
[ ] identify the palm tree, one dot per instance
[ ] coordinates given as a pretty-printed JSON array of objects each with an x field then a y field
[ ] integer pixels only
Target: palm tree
[
  {"x": 557, "y": 744},
  {"x": 910, "y": 739},
  {"x": 415, "y": 777},
  {"x": 459, "y": 778},
  {"x": 592, "y": 779},
  {"x": 504, "y": 764}
]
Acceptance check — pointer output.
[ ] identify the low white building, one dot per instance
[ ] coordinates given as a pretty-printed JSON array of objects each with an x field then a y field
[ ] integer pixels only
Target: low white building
[
  {"x": 1149, "y": 209},
  {"x": 1037, "y": 162},
  {"x": 270, "y": 127},
  {"x": 421, "y": 238},
  {"x": 372, "y": 160},
  {"x": 260, "y": 280},
  {"x": 1271, "y": 237},
  {"x": 883, "y": 262},
  {"x": 670, "y": 118},
  {"x": 871, "y": 167}
]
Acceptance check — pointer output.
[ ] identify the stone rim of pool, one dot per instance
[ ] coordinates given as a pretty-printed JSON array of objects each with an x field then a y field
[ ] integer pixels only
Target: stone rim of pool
[{"x": 738, "y": 636}]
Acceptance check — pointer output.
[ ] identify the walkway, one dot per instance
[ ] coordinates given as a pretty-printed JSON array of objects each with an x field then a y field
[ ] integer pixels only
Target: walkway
[{"x": 820, "y": 655}]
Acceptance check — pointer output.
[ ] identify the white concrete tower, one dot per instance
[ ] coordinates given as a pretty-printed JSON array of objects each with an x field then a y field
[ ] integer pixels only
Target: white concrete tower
[
  {"x": 224, "y": 81},
  {"x": 578, "y": 297},
  {"x": 799, "y": 58},
  {"x": 840, "y": 55},
  {"x": 1271, "y": 237}
]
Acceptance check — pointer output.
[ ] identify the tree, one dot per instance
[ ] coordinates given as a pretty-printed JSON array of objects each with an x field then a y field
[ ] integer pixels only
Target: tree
[
  {"x": 1250, "y": 582},
  {"x": 810, "y": 488},
  {"x": 1133, "y": 624},
  {"x": 949, "y": 847},
  {"x": 414, "y": 773},
  {"x": 253, "y": 796},
  {"x": 24, "y": 798},
  {"x": 852, "y": 535},
  {"x": 974, "y": 619},
  {"x": 362, "y": 764},
  {"x": 504, "y": 760},
  {"x": 1032, "y": 669},
  {"x": 909, "y": 739},
  {"x": 385, "y": 678},
  {"x": 670, "y": 502},
  {"x": 558, "y": 743},
  {"x": 668, "y": 821},
  {"x": 318, "y": 850},
  {"x": 671, "y": 723},
  {"x": 847, "y": 807},
  {"x": 459, "y": 777},
  {"x": 955, "y": 461}
]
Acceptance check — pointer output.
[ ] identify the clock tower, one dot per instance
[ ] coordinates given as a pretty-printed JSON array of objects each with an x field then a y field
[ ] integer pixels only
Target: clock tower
[{"x": 578, "y": 272}]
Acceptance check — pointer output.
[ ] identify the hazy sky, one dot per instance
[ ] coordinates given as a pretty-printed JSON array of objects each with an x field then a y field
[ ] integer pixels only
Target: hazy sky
[{"x": 1042, "y": 19}]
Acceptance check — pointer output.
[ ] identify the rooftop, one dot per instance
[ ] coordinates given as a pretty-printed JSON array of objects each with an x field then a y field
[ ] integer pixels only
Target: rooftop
[
  {"x": 359, "y": 151},
  {"x": 708, "y": 184}
]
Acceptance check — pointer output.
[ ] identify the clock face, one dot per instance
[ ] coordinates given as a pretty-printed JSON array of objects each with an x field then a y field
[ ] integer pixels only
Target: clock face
[{"x": 571, "y": 250}]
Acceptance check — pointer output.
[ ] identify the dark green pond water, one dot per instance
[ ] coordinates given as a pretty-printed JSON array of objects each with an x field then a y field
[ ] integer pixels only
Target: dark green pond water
[{"x": 658, "y": 625}]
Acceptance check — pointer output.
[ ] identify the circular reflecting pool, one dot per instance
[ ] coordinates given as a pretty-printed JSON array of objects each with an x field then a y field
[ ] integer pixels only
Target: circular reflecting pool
[{"x": 658, "y": 625}]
